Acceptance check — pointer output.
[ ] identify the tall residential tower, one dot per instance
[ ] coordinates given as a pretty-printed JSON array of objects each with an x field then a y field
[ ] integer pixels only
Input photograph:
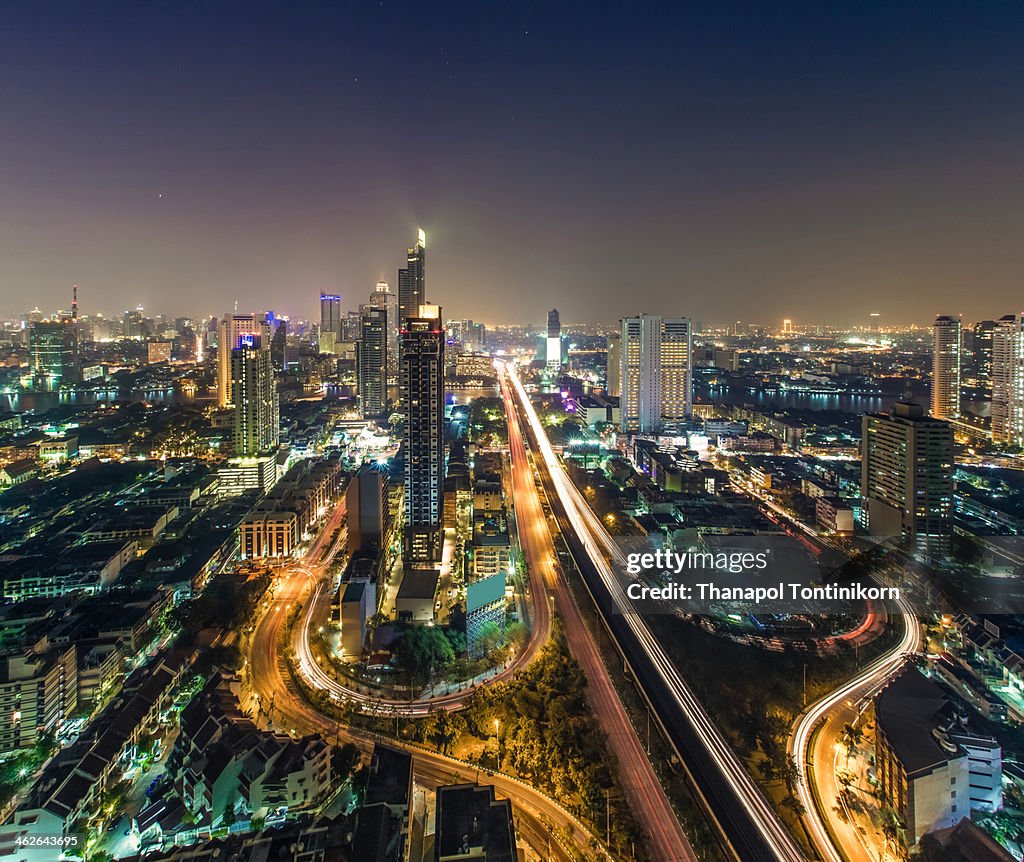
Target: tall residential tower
[
  {"x": 907, "y": 476},
  {"x": 1008, "y": 381},
  {"x": 372, "y": 362},
  {"x": 655, "y": 372},
  {"x": 946, "y": 370}
]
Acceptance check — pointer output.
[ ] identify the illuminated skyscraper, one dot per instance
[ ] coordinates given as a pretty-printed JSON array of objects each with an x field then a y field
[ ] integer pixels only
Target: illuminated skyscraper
[
  {"x": 254, "y": 395},
  {"x": 53, "y": 354},
  {"x": 946, "y": 350},
  {"x": 1008, "y": 381},
  {"x": 412, "y": 291},
  {"x": 422, "y": 389},
  {"x": 554, "y": 342},
  {"x": 907, "y": 476},
  {"x": 230, "y": 332},
  {"x": 656, "y": 373},
  {"x": 372, "y": 362},
  {"x": 384, "y": 297},
  {"x": 330, "y": 322}
]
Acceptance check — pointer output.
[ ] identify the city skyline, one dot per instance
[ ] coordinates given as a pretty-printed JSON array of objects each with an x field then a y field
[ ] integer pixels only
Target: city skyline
[{"x": 839, "y": 160}]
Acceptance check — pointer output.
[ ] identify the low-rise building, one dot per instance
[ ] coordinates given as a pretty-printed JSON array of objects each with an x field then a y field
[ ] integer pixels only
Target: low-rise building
[
  {"x": 834, "y": 514},
  {"x": 38, "y": 691},
  {"x": 931, "y": 771},
  {"x": 16, "y": 472},
  {"x": 415, "y": 600}
]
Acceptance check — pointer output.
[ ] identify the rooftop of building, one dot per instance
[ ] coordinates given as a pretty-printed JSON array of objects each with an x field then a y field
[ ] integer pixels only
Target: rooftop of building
[
  {"x": 418, "y": 584},
  {"x": 909, "y": 711},
  {"x": 390, "y": 776},
  {"x": 468, "y": 816}
]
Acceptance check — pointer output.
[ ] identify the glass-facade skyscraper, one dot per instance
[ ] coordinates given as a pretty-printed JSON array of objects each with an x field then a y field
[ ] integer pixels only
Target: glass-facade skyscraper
[
  {"x": 412, "y": 291},
  {"x": 372, "y": 362}
]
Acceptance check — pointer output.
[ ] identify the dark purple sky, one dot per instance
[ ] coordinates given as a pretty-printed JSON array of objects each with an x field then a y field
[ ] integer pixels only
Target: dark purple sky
[{"x": 817, "y": 161}]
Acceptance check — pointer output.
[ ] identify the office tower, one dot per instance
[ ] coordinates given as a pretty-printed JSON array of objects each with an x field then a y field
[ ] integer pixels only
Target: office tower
[
  {"x": 330, "y": 313},
  {"x": 383, "y": 297},
  {"x": 946, "y": 340},
  {"x": 53, "y": 354},
  {"x": 412, "y": 291},
  {"x": 655, "y": 372},
  {"x": 372, "y": 363},
  {"x": 422, "y": 384},
  {"x": 980, "y": 355},
  {"x": 554, "y": 342},
  {"x": 230, "y": 332},
  {"x": 254, "y": 396},
  {"x": 330, "y": 322},
  {"x": 907, "y": 476},
  {"x": 1008, "y": 381},
  {"x": 613, "y": 367}
]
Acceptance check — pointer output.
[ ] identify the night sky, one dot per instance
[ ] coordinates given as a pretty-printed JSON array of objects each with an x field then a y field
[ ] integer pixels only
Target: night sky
[{"x": 816, "y": 161}]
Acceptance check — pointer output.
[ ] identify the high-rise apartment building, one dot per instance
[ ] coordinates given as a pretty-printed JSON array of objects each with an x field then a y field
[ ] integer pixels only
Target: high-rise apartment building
[
  {"x": 907, "y": 476},
  {"x": 554, "y": 342},
  {"x": 233, "y": 328},
  {"x": 422, "y": 389},
  {"x": 254, "y": 396},
  {"x": 412, "y": 291},
  {"x": 613, "y": 368},
  {"x": 372, "y": 362},
  {"x": 1008, "y": 381},
  {"x": 946, "y": 370},
  {"x": 655, "y": 372}
]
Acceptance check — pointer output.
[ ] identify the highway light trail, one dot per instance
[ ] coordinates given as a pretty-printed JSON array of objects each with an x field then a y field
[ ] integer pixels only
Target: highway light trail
[
  {"x": 750, "y": 824},
  {"x": 857, "y": 689}
]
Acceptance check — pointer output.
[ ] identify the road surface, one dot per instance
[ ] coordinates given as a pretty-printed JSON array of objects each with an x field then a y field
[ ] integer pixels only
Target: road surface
[
  {"x": 816, "y": 739},
  {"x": 647, "y": 800},
  {"x": 749, "y": 825},
  {"x": 278, "y": 704}
]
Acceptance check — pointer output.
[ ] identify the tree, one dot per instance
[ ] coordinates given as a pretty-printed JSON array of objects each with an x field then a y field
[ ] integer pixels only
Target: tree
[
  {"x": 457, "y": 639},
  {"x": 516, "y": 634},
  {"x": 491, "y": 637},
  {"x": 851, "y": 736},
  {"x": 345, "y": 760},
  {"x": 423, "y": 652}
]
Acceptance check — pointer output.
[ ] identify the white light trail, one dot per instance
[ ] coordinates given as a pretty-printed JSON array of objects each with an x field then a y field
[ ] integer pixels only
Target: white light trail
[{"x": 594, "y": 537}]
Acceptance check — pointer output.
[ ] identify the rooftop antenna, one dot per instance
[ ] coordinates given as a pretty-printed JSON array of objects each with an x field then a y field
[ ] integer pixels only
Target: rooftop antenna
[{"x": 74, "y": 302}]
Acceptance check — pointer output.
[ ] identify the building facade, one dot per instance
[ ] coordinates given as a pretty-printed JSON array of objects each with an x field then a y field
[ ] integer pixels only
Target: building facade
[
  {"x": 553, "y": 355},
  {"x": 254, "y": 398},
  {"x": 907, "y": 476},
  {"x": 1008, "y": 381},
  {"x": 230, "y": 332},
  {"x": 412, "y": 291},
  {"x": 946, "y": 369},
  {"x": 422, "y": 385},
  {"x": 655, "y": 372},
  {"x": 372, "y": 363}
]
